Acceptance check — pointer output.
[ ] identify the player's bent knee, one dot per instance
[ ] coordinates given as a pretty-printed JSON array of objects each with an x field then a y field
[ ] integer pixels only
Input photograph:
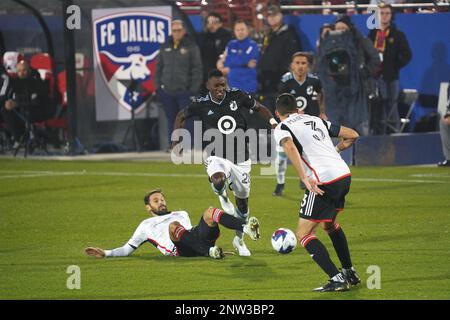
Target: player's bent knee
[
  {"x": 208, "y": 216},
  {"x": 172, "y": 227}
]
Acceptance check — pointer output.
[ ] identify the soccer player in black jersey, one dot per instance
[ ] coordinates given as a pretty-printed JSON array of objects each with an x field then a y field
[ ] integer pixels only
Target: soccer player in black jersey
[
  {"x": 225, "y": 111},
  {"x": 307, "y": 90}
]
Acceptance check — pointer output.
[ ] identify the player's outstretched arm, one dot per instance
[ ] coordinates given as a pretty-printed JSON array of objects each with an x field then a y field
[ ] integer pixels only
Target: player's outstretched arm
[
  {"x": 95, "y": 252},
  {"x": 348, "y": 137},
  {"x": 124, "y": 251},
  {"x": 294, "y": 156}
]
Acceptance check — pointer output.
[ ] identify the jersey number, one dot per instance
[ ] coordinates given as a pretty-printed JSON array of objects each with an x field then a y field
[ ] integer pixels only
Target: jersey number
[
  {"x": 245, "y": 178},
  {"x": 303, "y": 203},
  {"x": 318, "y": 130}
]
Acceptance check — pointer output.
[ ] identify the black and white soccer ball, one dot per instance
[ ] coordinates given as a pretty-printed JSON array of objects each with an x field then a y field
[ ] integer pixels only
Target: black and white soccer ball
[{"x": 284, "y": 241}]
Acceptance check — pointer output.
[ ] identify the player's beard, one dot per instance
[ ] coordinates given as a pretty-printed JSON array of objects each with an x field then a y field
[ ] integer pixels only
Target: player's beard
[{"x": 162, "y": 210}]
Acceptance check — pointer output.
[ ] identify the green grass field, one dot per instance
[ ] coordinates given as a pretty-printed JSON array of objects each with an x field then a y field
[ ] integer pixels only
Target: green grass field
[{"x": 397, "y": 218}]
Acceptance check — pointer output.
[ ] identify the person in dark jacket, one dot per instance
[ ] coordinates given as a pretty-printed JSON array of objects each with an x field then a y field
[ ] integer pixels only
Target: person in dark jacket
[
  {"x": 395, "y": 53},
  {"x": 279, "y": 45},
  {"x": 213, "y": 42},
  {"x": 178, "y": 73},
  {"x": 26, "y": 100}
]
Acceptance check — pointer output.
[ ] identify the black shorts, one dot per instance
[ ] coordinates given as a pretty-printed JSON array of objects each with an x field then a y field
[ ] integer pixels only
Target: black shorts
[
  {"x": 325, "y": 208},
  {"x": 206, "y": 237}
]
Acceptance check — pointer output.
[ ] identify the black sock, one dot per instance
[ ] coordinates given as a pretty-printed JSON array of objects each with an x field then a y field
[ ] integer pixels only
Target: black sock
[
  {"x": 189, "y": 240},
  {"x": 228, "y": 221},
  {"x": 319, "y": 254},
  {"x": 339, "y": 240}
]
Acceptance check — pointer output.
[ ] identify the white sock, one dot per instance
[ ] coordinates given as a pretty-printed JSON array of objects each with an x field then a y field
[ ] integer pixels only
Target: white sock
[
  {"x": 239, "y": 215},
  {"x": 226, "y": 204},
  {"x": 281, "y": 167}
]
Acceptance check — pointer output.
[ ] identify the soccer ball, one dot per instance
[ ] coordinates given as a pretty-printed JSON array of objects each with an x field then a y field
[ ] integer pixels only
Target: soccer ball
[{"x": 284, "y": 241}]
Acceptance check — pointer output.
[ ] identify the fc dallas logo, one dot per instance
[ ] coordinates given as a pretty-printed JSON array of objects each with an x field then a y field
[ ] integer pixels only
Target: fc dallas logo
[{"x": 126, "y": 46}]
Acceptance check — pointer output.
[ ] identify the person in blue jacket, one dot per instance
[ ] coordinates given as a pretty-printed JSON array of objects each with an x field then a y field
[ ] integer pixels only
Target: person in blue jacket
[{"x": 240, "y": 59}]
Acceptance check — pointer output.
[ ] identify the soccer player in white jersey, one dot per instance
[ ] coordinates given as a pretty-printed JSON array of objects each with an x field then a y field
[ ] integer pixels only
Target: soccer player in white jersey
[
  {"x": 307, "y": 139},
  {"x": 173, "y": 235}
]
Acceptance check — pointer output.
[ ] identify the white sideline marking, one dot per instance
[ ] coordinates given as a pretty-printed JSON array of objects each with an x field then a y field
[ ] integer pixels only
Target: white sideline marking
[
  {"x": 431, "y": 175},
  {"x": 32, "y": 174}
]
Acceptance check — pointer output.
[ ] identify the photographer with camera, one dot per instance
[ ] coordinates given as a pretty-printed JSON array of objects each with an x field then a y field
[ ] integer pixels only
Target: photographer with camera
[
  {"x": 347, "y": 66},
  {"x": 26, "y": 103}
]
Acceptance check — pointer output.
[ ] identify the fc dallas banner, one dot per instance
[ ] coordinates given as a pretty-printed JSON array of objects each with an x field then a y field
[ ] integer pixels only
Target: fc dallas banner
[{"x": 126, "y": 44}]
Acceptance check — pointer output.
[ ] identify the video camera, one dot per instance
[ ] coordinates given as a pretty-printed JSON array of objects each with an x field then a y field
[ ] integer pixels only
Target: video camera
[{"x": 336, "y": 51}]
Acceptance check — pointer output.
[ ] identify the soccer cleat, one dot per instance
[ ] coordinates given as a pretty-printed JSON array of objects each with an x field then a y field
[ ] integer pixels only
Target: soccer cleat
[
  {"x": 216, "y": 253},
  {"x": 445, "y": 163},
  {"x": 351, "y": 276},
  {"x": 241, "y": 248},
  {"x": 333, "y": 286},
  {"x": 278, "y": 192},
  {"x": 252, "y": 228}
]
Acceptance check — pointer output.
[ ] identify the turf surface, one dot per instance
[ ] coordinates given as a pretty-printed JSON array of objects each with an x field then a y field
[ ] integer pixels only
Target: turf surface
[{"x": 396, "y": 218}]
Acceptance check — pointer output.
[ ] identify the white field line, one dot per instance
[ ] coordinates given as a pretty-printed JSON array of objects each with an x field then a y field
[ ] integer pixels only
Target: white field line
[
  {"x": 11, "y": 174},
  {"x": 431, "y": 175}
]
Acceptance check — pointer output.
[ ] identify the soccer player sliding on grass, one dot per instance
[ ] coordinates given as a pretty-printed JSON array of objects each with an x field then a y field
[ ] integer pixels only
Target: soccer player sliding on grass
[
  {"x": 308, "y": 139},
  {"x": 171, "y": 232}
]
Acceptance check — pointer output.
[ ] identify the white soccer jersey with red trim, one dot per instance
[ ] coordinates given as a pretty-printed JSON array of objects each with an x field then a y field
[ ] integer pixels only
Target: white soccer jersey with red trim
[
  {"x": 311, "y": 136},
  {"x": 156, "y": 230}
]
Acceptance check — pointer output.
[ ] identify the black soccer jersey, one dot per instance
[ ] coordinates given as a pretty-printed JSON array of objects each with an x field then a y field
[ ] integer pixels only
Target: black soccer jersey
[
  {"x": 226, "y": 117},
  {"x": 306, "y": 92}
]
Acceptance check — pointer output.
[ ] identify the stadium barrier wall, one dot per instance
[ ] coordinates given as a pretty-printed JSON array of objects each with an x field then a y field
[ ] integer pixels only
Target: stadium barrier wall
[{"x": 398, "y": 149}]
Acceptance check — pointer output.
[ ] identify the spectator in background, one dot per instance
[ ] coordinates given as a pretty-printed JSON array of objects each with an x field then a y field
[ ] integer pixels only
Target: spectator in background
[
  {"x": 5, "y": 87},
  {"x": 10, "y": 61},
  {"x": 5, "y": 94},
  {"x": 27, "y": 101},
  {"x": 444, "y": 129},
  {"x": 240, "y": 59},
  {"x": 213, "y": 42},
  {"x": 347, "y": 65},
  {"x": 279, "y": 45},
  {"x": 178, "y": 73},
  {"x": 393, "y": 48}
]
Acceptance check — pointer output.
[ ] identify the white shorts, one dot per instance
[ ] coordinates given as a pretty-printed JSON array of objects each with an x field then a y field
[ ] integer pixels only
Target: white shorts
[{"x": 238, "y": 175}]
